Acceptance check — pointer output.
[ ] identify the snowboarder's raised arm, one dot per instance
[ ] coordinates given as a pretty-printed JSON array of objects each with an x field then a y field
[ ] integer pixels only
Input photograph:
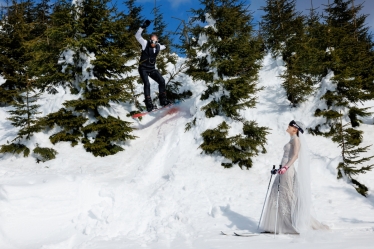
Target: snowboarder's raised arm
[
  {"x": 140, "y": 39},
  {"x": 138, "y": 34},
  {"x": 162, "y": 47}
]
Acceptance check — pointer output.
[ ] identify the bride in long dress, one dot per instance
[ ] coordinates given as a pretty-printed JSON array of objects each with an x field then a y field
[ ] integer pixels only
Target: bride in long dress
[{"x": 294, "y": 203}]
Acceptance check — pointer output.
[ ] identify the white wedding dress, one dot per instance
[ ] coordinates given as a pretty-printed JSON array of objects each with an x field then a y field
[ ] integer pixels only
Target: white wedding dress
[{"x": 294, "y": 207}]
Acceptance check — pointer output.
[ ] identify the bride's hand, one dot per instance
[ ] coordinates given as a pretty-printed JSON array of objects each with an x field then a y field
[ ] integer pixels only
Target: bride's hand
[{"x": 283, "y": 170}]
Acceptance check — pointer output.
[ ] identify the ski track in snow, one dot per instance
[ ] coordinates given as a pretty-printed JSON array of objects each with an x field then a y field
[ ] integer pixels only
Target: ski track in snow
[{"x": 162, "y": 193}]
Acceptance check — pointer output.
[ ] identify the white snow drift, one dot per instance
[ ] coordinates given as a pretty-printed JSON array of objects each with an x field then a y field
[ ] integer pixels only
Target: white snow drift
[{"x": 161, "y": 192}]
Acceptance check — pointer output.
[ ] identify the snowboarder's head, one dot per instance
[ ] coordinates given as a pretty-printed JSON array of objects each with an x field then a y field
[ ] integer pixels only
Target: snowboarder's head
[
  {"x": 294, "y": 127},
  {"x": 153, "y": 40}
]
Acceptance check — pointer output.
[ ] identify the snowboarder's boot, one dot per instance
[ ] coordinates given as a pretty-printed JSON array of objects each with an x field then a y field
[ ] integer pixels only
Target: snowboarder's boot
[
  {"x": 149, "y": 104},
  {"x": 163, "y": 100}
]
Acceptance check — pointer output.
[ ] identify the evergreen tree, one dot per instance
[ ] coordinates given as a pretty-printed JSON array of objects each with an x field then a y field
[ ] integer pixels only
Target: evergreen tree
[
  {"x": 49, "y": 47},
  {"x": 298, "y": 85},
  {"x": 51, "y": 66},
  {"x": 134, "y": 18},
  {"x": 97, "y": 34},
  {"x": 70, "y": 125},
  {"x": 314, "y": 47},
  {"x": 280, "y": 25},
  {"x": 348, "y": 140},
  {"x": 226, "y": 56},
  {"x": 174, "y": 83},
  {"x": 15, "y": 27},
  {"x": 289, "y": 34},
  {"x": 350, "y": 57},
  {"x": 25, "y": 113},
  {"x": 25, "y": 116},
  {"x": 305, "y": 67},
  {"x": 184, "y": 33},
  {"x": 44, "y": 154},
  {"x": 239, "y": 149},
  {"x": 41, "y": 17},
  {"x": 15, "y": 148},
  {"x": 24, "y": 22}
]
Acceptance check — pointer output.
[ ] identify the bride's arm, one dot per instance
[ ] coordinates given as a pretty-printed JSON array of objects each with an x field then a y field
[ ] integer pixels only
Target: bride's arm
[{"x": 296, "y": 149}]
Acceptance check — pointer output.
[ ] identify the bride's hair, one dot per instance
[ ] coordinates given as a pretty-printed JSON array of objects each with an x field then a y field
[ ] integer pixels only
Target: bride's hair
[{"x": 298, "y": 125}]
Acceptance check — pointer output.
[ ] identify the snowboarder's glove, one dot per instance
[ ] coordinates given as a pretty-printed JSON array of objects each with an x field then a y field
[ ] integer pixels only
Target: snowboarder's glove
[
  {"x": 283, "y": 170},
  {"x": 274, "y": 171},
  {"x": 146, "y": 24}
]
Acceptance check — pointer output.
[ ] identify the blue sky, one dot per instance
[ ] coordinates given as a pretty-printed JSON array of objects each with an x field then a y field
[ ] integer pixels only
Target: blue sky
[
  {"x": 180, "y": 8},
  {"x": 170, "y": 8}
]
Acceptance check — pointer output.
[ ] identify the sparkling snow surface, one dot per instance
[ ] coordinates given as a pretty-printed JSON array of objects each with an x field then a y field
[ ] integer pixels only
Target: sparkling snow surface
[{"x": 161, "y": 192}]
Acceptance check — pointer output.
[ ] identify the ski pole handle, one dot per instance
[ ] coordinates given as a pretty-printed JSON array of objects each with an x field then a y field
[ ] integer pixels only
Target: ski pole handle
[
  {"x": 280, "y": 166},
  {"x": 273, "y": 171}
]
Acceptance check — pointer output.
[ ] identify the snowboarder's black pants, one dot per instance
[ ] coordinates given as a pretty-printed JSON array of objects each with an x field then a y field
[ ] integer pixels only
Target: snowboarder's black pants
[{"x": 155, "y": 75}]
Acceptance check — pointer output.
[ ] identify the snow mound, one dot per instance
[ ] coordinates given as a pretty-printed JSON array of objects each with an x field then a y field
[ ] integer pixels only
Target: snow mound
[{"x": 161, "y": 192}]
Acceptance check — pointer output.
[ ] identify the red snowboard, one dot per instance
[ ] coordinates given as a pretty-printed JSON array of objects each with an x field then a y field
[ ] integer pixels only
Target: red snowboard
[{"x": 170, "y": 111}]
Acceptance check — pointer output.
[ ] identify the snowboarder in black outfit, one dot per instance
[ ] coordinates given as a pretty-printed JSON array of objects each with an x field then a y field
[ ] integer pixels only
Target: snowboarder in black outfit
[{"x": 150, "y": 50}]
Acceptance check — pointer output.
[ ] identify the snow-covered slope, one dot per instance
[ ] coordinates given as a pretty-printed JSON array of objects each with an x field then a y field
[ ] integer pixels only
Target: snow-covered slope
[{"x": 161, "y": 192}]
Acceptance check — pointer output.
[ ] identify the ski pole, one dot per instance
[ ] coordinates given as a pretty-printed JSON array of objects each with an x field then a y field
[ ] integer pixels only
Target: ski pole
[
  {"x": 276, "y": 214},
  {"x": 266, "y": 196}
]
